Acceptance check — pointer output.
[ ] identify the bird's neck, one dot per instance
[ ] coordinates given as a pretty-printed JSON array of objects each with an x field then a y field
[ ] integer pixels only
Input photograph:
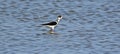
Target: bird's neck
[{"x": 57, "y": 20}]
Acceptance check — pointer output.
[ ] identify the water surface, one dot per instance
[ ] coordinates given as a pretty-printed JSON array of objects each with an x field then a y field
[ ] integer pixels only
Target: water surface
[{"x": 87, "y": 27}]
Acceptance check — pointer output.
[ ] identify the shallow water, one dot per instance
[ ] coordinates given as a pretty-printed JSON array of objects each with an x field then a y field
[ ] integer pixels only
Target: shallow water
[{"x": 87, "y": 27}]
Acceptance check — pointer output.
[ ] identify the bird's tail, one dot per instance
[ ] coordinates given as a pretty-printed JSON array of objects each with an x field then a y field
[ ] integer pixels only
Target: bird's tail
[{"x": 43, "y": 24}]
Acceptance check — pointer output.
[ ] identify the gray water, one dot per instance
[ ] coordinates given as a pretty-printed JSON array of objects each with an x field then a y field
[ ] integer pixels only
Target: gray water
[{"x": 87, "y": 27}]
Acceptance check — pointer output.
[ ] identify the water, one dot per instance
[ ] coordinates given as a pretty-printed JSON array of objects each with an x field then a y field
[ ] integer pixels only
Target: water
[{"x": 87, "y": 27}]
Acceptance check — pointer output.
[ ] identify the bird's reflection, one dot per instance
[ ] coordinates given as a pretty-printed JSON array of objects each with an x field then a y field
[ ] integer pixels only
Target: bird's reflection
[{"x": 52, "y": 32}]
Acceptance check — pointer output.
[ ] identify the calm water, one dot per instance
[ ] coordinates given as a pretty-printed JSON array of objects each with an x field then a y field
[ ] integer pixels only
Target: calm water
[{"x": 87, "y": 27}]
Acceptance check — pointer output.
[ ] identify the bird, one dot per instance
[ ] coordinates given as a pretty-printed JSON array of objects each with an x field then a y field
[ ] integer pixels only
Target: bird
[{"x": 53, "y": 24}]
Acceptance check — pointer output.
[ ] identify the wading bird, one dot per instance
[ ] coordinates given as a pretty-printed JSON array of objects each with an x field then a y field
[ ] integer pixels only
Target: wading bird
[{"x": 53, "y": 24}]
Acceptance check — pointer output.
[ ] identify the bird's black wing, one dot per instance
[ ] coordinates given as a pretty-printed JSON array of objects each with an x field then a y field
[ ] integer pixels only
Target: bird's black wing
[{"x": 50, "y": 23}]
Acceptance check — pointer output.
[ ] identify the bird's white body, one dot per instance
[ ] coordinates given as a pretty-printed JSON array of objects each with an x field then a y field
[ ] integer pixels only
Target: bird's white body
[{"x": 52, "y": 27}]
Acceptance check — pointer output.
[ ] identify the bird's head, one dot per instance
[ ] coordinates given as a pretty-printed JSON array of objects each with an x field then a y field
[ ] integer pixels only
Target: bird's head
[{"x": 59, "y": 17}]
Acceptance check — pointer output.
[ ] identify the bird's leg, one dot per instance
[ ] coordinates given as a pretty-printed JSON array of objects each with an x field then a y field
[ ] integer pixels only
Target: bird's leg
[{"x": 51, "y": 30}]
